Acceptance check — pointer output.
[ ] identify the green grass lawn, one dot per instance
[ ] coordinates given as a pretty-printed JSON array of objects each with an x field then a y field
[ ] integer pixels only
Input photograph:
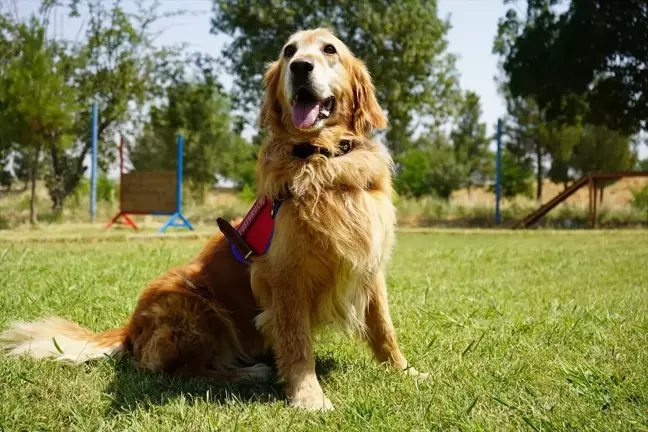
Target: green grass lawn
[{"x": 529, "y": 331}]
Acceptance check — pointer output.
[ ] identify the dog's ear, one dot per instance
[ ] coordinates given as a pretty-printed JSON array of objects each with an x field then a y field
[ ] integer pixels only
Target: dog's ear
[
  {"x": 366, "y": 110},
  {"x": 271, "y": 108}
]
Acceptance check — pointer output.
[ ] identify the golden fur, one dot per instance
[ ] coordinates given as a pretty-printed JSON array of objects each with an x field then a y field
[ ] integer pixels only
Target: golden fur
[{"x": 326, "y": 264}]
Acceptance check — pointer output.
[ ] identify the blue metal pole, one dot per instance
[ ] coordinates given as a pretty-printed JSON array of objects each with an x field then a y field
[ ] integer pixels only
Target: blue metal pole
[
  {"x": 93, "y": 168},
  {"x": 179, "y": 175},
  {"x": 498, "y": 173}
]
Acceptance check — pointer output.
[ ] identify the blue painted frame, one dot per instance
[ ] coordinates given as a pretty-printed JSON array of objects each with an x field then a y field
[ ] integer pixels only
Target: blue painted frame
[{"x": 184, "y": 222}]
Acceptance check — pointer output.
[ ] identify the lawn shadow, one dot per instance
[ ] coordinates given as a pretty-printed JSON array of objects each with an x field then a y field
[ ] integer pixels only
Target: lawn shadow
[{"x": 133, "y": 388}]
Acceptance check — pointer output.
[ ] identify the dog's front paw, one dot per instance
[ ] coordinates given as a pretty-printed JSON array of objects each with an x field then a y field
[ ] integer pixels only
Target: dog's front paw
[
  {"x": 414, "y": 373},
  {"x": 311, "y": 401}
]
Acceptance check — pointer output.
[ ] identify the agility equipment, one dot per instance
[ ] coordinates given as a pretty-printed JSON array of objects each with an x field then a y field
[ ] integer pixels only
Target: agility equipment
[{"x": 151, "y": 193}]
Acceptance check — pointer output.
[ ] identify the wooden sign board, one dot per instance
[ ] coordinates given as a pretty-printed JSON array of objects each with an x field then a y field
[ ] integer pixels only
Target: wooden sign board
[{"x": 149, "y": 192}]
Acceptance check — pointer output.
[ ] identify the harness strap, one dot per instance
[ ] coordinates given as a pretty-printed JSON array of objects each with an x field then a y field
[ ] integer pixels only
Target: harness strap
[{"x": 241, "y": 248}]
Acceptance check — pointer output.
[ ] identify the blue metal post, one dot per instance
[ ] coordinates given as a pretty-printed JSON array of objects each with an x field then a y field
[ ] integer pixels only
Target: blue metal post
[
  {"x": 184, "y": 222},
  {"x": 179, "y": 175},
  {"x": 93, "y": 168},
  {"x": 498, "y": 173}
]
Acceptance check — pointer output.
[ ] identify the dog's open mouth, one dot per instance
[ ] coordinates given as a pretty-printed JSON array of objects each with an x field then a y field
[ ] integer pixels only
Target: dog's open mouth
[{"x": 308, "y": 110}]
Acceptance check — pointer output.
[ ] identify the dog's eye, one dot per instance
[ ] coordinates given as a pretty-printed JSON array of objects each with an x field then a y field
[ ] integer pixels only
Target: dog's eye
[
  {"x": 290, "y": 51},
  {"x": 329, "y": 49}
]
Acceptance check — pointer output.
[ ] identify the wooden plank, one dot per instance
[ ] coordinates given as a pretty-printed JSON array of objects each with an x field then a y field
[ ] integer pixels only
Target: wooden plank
[
  {"x": 149, "y": 192},
  {"x": 620, "y": 174},
  {"x": 544, "y": 209},
  {"x": 591, "y": 181}
]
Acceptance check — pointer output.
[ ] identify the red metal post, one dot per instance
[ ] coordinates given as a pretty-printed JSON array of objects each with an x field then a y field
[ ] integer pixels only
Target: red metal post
[{"x": 121, "y": 215}]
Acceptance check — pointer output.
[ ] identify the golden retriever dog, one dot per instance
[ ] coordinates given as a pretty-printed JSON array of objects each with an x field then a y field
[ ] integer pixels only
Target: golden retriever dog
[{"x": 333, "y": 233}]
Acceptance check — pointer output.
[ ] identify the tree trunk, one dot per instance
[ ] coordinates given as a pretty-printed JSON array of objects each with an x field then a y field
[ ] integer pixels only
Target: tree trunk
[
  {"x": 55, "y": 184},
  {"x": 33, "y": 219},
  {"x": 539, "y": 173},
  {"x": 57, "y": 203},
  {"x": 601, "y": 189},
  {"x": 67, "y": 172}
]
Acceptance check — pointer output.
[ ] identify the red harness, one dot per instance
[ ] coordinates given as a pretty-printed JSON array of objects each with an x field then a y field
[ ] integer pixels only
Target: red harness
[{"x": 254, "y": 234}]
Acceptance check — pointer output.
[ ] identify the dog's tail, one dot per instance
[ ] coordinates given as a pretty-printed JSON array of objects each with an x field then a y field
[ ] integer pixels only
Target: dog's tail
[{"x": 62, "y": 340}]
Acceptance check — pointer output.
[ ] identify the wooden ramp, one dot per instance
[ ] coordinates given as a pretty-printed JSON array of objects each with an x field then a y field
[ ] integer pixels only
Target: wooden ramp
[{"x": 591, "y": 181}]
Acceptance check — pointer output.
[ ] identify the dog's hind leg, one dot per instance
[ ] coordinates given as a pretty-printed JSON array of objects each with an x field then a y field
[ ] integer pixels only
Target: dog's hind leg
[
  {"x": 181, "y": 334},
  {"x": 380, "y": 333}
]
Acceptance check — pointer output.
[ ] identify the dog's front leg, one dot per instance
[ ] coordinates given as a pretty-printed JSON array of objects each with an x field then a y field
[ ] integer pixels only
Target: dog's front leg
[
  {"x": 286, "y": 319},
  {"x": 381, "y": 335}
]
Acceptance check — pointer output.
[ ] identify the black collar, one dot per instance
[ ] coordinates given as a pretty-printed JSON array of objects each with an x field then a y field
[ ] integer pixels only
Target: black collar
[{"x": 305, "y": 150}]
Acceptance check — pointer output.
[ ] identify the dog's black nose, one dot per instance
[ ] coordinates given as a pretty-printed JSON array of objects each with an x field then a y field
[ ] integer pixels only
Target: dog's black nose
[
  {"x": 301, "y": 69},
  {"x": 303, "y": 66}
]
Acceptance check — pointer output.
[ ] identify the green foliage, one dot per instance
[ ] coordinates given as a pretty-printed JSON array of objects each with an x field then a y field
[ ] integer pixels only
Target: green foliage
[
  {"x": 403, "y": 44},
  {"x": 560, "y": 142},
  {"x": 603, "y": 150},
  {"x": 107, "y": 190},
  {"x": 247, "y": 194},
  {"x": 516, "y": 176},
  {"x": 116, "y": 65},
  {"x": 6, "y": 179},
  {"x": 36, "y": 105},
  {"x": 432, "y": 167},
  {"x": 640, "y": 200},
  {"x": 588, "y": 60},
  {"x": 600, "y": 149},
  {"x": 470, "y": 141},
  {"x": 521, "y": 135},
  {"x": 414, "y": 167},
  {"x": 642, "y": 165},
  {"x": 200, "y": 111}
]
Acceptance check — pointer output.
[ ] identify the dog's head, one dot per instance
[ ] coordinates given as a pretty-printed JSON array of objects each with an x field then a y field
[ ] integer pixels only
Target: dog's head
[{"x": 318, "y": 83}]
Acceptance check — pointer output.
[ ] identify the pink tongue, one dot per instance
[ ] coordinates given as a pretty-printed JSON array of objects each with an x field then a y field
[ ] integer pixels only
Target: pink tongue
[{"x": 304, "y": 114}]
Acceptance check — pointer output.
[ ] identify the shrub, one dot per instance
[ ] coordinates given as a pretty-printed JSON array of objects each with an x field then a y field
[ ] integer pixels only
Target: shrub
[{"x": 640, "y": 200}]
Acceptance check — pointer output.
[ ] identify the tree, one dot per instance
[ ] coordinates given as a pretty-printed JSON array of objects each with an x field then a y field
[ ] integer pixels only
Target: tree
[
  {"x": 640, "y": 200},
  {"x": 532, "y": 139},
  {"x": 469, "y": 139},
  {"x": 535, "y": 134},
  {"x": 36, "y": 102},
  {"x": 403, "y": 44},
  {"x": 601, "y": 149},
  {"x": 201, "y": 111},
  {"x": 116, "y": 66},
  {"x": 6, "y": 178},
  {"x": 642, "y": 165},
  {"x": 591, "y": 59},
  {"x": 430, "y": 168},
  {"x": 560, "y": 140},
  {"x": 516, "y": 176},
  {"x": 522, "y": 134}
]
